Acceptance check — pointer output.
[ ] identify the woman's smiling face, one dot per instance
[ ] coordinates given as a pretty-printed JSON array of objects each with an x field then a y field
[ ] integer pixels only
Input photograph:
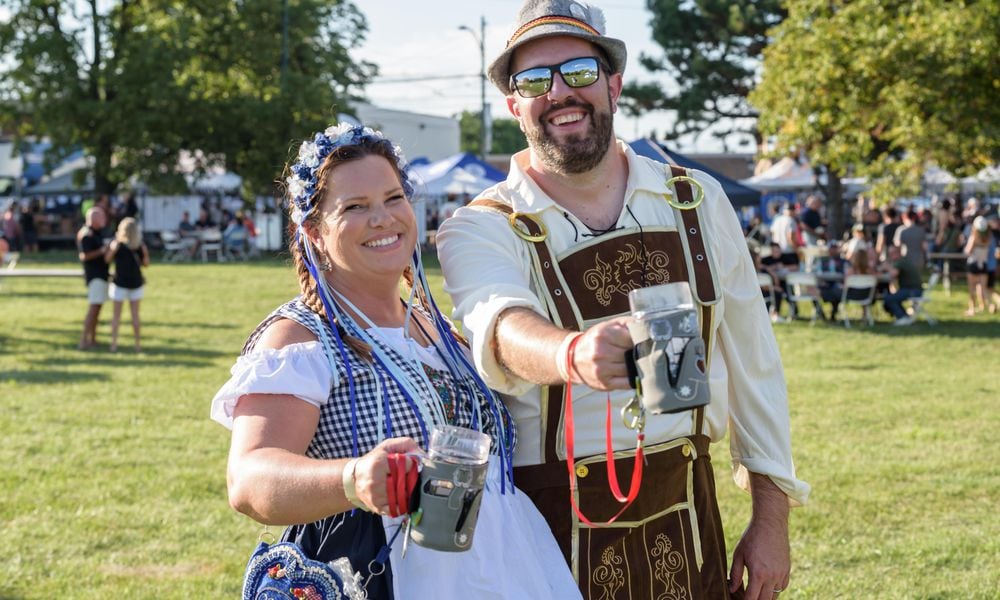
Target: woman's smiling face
[{"x": 367, "y": 227}]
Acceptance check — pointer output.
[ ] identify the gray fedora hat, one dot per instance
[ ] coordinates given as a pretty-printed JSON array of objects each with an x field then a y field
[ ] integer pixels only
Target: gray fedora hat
[{"x": 546, "y": 18}]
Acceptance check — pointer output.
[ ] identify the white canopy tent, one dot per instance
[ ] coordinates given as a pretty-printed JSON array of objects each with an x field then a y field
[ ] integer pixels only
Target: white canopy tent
[{"x": 786, "y": 174}]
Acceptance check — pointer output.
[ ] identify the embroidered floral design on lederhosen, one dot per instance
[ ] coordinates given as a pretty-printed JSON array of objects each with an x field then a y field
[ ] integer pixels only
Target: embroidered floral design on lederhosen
[
  {"x": 667, "y": 564},
  {"x": 609, "y": 576},
  {"x": 606, "y": 279},
  {"x": 599, "y": 274}
]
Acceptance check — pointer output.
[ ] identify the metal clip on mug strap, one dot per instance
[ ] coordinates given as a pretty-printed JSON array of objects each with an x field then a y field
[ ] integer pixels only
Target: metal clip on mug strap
[{"x": 612, "y": 473}]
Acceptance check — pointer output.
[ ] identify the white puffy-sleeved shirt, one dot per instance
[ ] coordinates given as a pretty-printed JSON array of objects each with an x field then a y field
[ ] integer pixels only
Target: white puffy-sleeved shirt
[{"x": 487, "y": 270}]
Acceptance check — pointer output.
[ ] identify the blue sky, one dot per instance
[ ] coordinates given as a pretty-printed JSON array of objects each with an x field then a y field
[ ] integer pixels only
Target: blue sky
[{"x": 410, "y": 39}]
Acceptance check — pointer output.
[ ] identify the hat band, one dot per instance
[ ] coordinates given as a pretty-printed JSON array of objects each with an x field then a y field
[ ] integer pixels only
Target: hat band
[{"x": 551, "y": 20}]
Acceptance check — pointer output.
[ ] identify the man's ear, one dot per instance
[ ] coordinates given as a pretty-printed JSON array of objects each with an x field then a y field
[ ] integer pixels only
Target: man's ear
[
  {"x": 615, "y": 83},
  {"x": 515, "y": 109}
]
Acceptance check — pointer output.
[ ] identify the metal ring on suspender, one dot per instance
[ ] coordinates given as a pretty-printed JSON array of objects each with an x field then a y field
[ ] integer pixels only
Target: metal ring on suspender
[
  {"x": 527, "y": 235},
  {"x": 699, "y": 195}
]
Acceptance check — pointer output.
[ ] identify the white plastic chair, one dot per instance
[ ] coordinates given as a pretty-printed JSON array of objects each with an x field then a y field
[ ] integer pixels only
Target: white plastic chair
[
  {"x": 236, "y": 245},
  {"x": 863, "y": 296},
  {"x": 10, "y": 260},
  {"x": 174, "y": 248},
  {"x": 803, "y": 287},
  {"x": 211, "y": 241},
  {"x": 918, "y": 310}
]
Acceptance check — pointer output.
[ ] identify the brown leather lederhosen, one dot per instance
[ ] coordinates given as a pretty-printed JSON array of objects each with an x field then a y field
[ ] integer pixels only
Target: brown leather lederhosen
[{"x": 669, "y": 543}]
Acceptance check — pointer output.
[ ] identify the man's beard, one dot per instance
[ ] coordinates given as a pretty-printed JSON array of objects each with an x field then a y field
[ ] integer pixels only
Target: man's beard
[{"x": 576, "y": 153}]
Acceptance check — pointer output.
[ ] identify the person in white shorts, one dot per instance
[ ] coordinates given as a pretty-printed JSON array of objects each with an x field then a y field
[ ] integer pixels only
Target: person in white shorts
[
  {"x": 129, "y": 255},
  {"x": 95, "y": 272}
]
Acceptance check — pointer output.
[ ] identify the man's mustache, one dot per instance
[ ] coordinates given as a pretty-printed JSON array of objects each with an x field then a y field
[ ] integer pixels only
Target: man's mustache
[{"x": 571, "y": 102}]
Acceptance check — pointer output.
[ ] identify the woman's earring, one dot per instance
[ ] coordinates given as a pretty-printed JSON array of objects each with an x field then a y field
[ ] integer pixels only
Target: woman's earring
[{"x": 325, "y": 265}]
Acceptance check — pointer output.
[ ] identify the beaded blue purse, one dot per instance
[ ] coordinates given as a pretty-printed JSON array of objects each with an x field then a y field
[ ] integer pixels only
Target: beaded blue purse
[{"x": 282, "y": 572}]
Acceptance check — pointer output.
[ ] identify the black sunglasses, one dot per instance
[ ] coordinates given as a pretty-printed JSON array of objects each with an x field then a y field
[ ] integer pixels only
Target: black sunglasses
[{"x": 576, "y": 72}]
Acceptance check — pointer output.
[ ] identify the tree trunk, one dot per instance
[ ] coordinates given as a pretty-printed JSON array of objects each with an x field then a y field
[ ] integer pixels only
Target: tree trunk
[
  {"x": 835, "y": 205},
  {"x": 102, "y": 170}
]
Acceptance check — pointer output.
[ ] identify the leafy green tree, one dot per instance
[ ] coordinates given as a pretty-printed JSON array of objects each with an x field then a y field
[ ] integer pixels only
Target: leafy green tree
[
  {"x": 507, "y": 136},
  {"x": 135, "y": 83},
  {"x": 711, "y": 55},
  {"x": 881, "y": 89}
]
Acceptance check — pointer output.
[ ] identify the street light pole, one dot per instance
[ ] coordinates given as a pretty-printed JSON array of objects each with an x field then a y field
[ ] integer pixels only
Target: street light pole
[{"x": 481, "y": 40}]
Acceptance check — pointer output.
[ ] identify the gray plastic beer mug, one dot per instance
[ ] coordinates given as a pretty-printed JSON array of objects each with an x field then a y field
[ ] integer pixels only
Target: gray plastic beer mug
[
  {"x": 451, "y": 486},
  {"x": 669, "y": 351}
]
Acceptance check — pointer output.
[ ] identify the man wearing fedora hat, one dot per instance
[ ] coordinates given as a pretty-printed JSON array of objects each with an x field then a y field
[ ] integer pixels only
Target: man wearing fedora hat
[{"x": 540, "y": 267}]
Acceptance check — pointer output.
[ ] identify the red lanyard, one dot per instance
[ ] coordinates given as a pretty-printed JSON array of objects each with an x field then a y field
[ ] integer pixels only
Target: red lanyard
[{"x": 612, "y": 472}]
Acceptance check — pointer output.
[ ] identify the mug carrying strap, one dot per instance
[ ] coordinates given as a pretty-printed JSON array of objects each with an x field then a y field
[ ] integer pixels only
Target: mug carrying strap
[{"x": 612, "y": 472}]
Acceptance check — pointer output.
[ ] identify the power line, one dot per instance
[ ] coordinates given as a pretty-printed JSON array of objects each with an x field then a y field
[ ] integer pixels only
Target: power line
[{"x": 416, "y": 78}]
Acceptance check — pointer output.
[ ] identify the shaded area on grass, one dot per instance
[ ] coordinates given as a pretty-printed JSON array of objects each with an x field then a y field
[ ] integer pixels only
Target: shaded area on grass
[{"x": 51, "y": 377}]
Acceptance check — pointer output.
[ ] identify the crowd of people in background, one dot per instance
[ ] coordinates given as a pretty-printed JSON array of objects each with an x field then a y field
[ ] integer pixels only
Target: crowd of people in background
[{"x": 893, "y": 242}]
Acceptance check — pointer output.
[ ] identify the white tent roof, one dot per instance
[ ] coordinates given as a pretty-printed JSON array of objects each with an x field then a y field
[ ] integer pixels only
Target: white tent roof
[
  {"x": 786, "y": 174},
  {"x": 447, "y": 177},
  {"x": 218, "y": 182}
]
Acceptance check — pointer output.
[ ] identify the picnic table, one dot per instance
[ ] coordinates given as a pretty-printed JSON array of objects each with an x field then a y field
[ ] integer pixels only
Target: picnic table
[
  {"x": 9, "y": 269},
  {"x": 41, "y": 272},
  {"x": 946, "y": 258}
]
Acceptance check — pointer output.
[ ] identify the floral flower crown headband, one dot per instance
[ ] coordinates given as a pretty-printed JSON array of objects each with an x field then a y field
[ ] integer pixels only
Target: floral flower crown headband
[{"x": 304, "y": 181}]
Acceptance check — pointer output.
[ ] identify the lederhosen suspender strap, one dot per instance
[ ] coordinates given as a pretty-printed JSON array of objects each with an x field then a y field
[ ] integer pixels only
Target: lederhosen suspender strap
[{"x": 701, "y": 279}]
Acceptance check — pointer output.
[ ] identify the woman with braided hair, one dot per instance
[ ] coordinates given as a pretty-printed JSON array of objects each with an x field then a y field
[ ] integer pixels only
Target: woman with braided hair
[{"x": 351, "y": 371}]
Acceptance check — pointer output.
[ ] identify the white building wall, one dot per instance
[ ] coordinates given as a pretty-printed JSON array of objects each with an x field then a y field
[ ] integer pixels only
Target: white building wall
[{"x": 419, "y": 135}]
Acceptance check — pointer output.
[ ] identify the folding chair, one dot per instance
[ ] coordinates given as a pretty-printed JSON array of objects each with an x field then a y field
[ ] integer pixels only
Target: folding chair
[
  {"x": 174, "y": 248},
  {"x": 10, "y": 260},
  {"x": 917, "y": 308},
  {"x": 236, "y": 245},
  {"x": 767, "y": 289},
  {"x": 859, "y": 290},
  {"x": 211, "y": 241},
  {"x": 803, "y": 287}
]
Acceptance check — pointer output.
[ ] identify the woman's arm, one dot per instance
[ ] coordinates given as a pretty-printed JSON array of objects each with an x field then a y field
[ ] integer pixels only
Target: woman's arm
[
  {"x": 145, "y": 256},
  {"x": 269, "y": 477},
  {"x": 109, "y": 254},
  {"x": 271, "y": 480}
]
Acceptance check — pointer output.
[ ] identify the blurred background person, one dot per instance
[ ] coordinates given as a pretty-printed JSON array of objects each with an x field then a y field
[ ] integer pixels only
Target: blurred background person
[
  {"x": 978, "y": 249},
  {"x": 886, "y": 232},
  {"x": 90, "y": 244},
  {"x": 129, "y": 255}
]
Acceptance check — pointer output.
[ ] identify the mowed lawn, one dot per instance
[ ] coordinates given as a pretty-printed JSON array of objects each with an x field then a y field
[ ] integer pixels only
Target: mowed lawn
[{"x": 112, "y": 477}]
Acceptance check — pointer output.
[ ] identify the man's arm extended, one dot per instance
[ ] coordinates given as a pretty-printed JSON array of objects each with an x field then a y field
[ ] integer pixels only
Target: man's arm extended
[{"x": 530, "y": 346}]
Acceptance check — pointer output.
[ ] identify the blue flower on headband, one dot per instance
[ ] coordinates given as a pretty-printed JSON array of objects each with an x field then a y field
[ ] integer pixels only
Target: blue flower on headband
[{"x": 303, "y": 182}]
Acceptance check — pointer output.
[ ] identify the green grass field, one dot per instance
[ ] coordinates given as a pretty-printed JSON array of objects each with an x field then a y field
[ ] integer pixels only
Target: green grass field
[{"x": 112, "y": 477}]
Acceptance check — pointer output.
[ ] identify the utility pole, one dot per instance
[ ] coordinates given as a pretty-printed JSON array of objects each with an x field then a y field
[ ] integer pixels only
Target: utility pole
[{"x": 484, "y": 137}]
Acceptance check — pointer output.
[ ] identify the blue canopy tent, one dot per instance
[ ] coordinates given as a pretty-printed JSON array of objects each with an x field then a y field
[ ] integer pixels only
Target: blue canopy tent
[{"x": 739, "y": 194}]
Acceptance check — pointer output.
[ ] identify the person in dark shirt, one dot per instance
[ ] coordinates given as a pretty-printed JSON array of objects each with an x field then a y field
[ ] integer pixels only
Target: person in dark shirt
[
  {"x": 909, "y": 284},
  {"x": 204, "y": 221},
  {"x": 95, "y": 272},
  {"x": 886, "y": 233},
  {"x": 129, "y": 255},
  {"x": 28, "y": 230},
  {"x": 811, "y": 222}
]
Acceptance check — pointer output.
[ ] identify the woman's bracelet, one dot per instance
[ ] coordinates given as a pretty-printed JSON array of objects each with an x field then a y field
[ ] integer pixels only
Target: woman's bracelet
[{"x": 347, "y": 476}]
